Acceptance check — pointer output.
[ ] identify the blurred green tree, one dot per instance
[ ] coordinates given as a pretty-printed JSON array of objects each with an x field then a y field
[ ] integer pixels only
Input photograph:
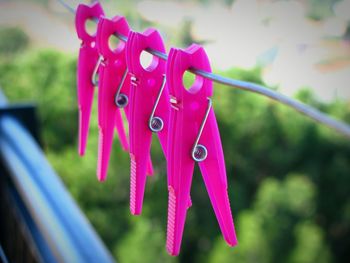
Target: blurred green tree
[
  {"x": 280, "y": 226},
  {"x": 295, "y": 218},
  {"x": 146, "y": 242},
  {"x": 13, "y": 41}
]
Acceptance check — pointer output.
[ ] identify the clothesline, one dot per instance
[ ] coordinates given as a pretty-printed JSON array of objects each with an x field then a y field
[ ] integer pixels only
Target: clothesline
[{"x": 307, "y": 110}]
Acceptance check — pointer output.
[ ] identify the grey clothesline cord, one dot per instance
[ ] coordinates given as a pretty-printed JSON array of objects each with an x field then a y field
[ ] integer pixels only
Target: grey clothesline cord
[
  {"x": 67, "y": 6},
  {"x": 307, "y": 110}
]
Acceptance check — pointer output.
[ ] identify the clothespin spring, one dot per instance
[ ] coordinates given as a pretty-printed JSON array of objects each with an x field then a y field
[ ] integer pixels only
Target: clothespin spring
[
  {"x": 94, "y": 78},
  {"x": 120, "y": 99},
  {"x": 199, "y": 151},
  {"x": 156, "y": 124}
]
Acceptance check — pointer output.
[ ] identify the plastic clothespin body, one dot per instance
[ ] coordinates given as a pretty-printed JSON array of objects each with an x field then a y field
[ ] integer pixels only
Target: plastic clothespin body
[
  {"x": 88, "y": 57},
  {"x": 145, "y": 89},
  {"x": 112, "y": 77},
  {"x": 188, "y": 110}
]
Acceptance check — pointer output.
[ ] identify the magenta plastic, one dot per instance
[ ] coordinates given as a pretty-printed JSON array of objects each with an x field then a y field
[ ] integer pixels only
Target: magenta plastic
[
  {"x": 113, "y": 91},
  {"x": 188, "y": 110},
  {"x": 87, "y": 61},
  {"x": 111, "y": 74},
  {"x": 145, "y": 89}
]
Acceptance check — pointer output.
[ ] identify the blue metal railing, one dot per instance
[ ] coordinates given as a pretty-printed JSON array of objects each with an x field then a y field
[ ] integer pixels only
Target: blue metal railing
[
  {"x": 3, "y": 257},
  {"x": 53, "y": 221}
]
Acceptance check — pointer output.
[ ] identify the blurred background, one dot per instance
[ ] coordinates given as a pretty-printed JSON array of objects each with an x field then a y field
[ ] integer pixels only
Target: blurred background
[{"x": 289, "y": 178}]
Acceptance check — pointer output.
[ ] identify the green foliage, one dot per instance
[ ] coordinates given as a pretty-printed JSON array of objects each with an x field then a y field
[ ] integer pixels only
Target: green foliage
[
  {"x": 302, "y": 217},
  {"x": 52, "y": 85},
  {"x": 12, "y": 41},
  {"x": 320, "y": 9},
  {"x": 310, "y": 244},
  {"x": 145, "y": 241},
  {"x": 295, "y": 238}
]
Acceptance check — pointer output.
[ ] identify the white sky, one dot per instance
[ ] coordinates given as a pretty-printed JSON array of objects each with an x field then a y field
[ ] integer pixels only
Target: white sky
[{"x": 294, "y": 48}]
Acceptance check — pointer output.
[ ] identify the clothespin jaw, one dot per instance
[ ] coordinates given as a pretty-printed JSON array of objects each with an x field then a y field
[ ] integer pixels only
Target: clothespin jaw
[
  {"x": 113, "y": 84},
  {"x": 87, "y": 61},
  {"x": 149, "y": 109},
  {"x": 193, "y": 136}
]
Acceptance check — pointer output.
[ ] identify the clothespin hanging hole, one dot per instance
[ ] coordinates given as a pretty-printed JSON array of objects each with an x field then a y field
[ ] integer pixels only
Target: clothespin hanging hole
[
  {"x": 188, "y": 80},
  {"x": 91, "y": 27},
  {"x": 148, "y": 61},
  {"x": 113, "y": 42}
]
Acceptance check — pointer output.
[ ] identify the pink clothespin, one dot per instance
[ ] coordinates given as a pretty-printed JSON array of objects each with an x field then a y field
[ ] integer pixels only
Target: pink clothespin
[
  {"x": 87, "y": 64},
  {"x": 113, "y": 90},
  {"x": 194, "y": 137},
  {"x": 149, "y": 109}
]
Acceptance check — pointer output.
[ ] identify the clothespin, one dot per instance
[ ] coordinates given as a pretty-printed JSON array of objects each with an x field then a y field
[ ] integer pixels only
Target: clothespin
[
  {"x": 193, "y": 137},
  {"x": 149, "y": 109},
  {"x": 113, "y": 89},
  {"x": 87, "y": 64}
]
